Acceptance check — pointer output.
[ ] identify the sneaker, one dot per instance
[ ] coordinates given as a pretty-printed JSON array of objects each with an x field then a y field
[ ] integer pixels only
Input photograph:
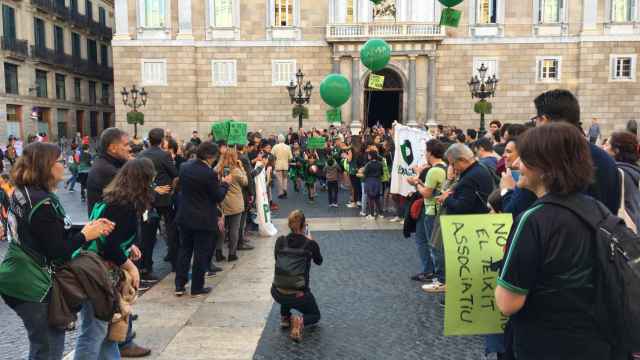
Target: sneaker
[
  {"x": 297, "y": 327},
  {"x": 435, "y": 287},
  {"x": 71, "y": 191},
  {"x": 180, "y": 291},
  {"x": 335, "y": 205},
  {"x": 245, "y": 247},
  {"x": 370, "y": 217},
  {"x": 423, "y": 277},
  {"x": 233, "y": 258},
  {"x": 363, "y": 213},
  {"x": 395, "y": 219},
  {"x": 358, "y": 203},
  {"x": 379, "y": 217},
  {"x": 144, "y": 286},
  {"x": 211, "y": 273},
  {"x": 149, "y": 277},
  {"x": 351, "y": 205},
  {"x": 134, "y": 351},
  {"x": 285, "y": 321}
]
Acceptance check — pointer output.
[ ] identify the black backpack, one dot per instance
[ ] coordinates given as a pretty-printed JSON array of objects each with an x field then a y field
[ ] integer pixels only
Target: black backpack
[
  {"x": 617, "y": 275},
  {"x": 291, "y": 267}
]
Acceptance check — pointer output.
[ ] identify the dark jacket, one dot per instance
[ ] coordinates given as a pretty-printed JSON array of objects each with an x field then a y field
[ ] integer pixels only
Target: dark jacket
[
  {"x": 471, "y": 192},
  {"x": 165, "y": 172},
  {"x": 373, "y": 169},
  {"x": 103, "y": 170},
  {"x": 200, "y": 193},
  {"x": 516, "y": 201},
  {"x": 606, "y": 186},
  {"x": 84, "y": 278}
]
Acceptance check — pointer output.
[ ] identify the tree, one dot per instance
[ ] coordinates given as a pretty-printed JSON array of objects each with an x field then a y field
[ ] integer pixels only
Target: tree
[{"x": 136, "y": 118}]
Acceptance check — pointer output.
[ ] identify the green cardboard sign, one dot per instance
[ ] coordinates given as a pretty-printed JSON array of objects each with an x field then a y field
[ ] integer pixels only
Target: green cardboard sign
[
  {"x": 471, "y": 244},
  {"x": 334, "y": 115},
  {"x": 237, "y": 133},
  {"x": 450, "y": 17},
  {"x": 376, "y": 81},
  {"x": 318, "y": 142},
  {"x": 219, "y": 131}
]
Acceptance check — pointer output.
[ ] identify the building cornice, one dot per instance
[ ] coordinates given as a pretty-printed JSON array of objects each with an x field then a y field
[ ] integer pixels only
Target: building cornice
[
  {"x": 541, "y": 39},
  {"x": 230, "y": 43}
]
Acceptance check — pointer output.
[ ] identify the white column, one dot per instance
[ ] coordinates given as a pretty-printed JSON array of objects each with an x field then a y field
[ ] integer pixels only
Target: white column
[
  {"x": 184, "y": 20},
  {"x": 412, "y": 91},
  {"x": 121, "y": 18}
]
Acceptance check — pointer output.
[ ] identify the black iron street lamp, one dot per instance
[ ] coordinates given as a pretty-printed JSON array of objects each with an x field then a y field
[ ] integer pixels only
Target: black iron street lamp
[
  {"x": 300, "y": 94},
  {"x": 483, "y": 88},
  {"x": 138, "y": 99}
]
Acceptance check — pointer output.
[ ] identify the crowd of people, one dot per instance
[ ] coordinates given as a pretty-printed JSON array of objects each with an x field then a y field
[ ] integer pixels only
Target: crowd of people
[{"x": 201, "y": 196}]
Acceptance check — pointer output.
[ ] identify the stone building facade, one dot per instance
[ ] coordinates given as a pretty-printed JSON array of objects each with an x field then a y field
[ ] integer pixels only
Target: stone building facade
[
  {"x": 205, "y": 60},
  {"x": 56, "y": 74}
]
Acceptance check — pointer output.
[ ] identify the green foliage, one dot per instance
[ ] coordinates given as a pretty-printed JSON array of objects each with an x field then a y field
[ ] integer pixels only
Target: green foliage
[
  {"x": 483, "y": 107},
  {"x": 295, "y": 113}
]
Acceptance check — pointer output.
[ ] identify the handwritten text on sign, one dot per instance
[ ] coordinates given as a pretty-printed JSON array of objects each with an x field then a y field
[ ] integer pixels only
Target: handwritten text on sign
[
  {"x": 376, "y": 81},
  {"x": 472, "y": 243}
]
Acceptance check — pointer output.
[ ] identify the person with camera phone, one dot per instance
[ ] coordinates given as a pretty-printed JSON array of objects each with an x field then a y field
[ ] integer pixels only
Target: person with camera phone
[{"x": 291, "y": 289}]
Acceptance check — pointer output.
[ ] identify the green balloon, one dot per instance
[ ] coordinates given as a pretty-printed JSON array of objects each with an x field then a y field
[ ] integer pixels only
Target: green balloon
[
  {"x": 335, "y": 90},
  {"x": 450, "y": 3},
  {"x": 375, "y": 54}
]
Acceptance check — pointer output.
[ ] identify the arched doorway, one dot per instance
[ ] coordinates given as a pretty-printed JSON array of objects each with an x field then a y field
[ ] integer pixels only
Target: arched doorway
[{"x": 384, "y": 106}]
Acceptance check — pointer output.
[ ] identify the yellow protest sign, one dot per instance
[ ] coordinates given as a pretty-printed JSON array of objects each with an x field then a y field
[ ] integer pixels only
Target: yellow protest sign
[
  {"x": 472, "y": 245},
  {"x": 376, "y": 81}
]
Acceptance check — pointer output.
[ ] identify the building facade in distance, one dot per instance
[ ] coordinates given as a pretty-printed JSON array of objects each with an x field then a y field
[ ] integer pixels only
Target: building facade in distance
[
  {"x": 205, "y": 60},
  {"x": 56, "y": 74}
]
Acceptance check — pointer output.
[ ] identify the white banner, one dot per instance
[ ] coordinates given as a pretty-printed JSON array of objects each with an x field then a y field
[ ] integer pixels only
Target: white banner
[
  {"x": 265, "y": 227},
  {"x": 410, "y": 150}
]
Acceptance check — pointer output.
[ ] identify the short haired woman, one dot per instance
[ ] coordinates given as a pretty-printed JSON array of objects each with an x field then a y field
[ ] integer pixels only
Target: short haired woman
[
  {"x": 290, "y": 289},
  {"x": 233, "y": 203},
  {"x": 623, "y": 147},
  {"x": 40, "y": 237},
  {"x": 546, "y": 285},
  {"x": 125, "y": 199}
]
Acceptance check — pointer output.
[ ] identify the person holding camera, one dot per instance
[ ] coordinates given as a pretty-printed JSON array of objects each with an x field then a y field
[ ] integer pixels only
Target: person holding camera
[
  {"x": 291, "y": 289},
  {"x": 233, "y": 203}
]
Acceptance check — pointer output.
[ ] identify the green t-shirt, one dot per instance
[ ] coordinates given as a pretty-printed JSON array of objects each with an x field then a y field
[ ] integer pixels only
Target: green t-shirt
[{"x": 436, "y": 176}]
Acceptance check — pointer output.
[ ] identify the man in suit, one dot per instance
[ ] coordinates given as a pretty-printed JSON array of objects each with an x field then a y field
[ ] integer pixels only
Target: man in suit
[
  {"x": 197, "y": 217},
  {"x": 166, "y": 177}
]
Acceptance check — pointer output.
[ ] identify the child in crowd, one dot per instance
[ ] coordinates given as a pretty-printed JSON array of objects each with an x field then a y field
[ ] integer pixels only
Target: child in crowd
[
  {"x": 373, "y": 184},
  {"x": 332, "y": 173}
]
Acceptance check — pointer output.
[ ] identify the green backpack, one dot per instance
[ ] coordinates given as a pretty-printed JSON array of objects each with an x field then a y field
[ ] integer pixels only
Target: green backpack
[
  {"x": 25, "y": 274},
  {"x": 98, "y": 245}
]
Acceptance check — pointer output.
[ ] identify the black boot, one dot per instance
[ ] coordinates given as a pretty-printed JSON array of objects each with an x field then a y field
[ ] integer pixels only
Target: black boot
[{"x": 219, "y": 256}]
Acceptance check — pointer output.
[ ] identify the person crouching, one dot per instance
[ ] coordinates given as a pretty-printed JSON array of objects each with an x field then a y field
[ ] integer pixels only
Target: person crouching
[{"x": 290, "y": 289}]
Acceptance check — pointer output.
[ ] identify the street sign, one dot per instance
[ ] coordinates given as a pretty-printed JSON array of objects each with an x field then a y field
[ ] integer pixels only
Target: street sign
[{"x": 376, "y": 81}]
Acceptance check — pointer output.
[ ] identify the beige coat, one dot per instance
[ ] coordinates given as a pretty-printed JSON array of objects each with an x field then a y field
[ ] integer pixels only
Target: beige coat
[
  {"x": 233, "y": 202},
  {"x": 282, "y": 153}
]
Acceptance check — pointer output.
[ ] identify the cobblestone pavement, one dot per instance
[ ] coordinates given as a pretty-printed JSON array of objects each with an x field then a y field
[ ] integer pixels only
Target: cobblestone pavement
[
  {"x": 13, "y": 337},
  {"x": 370, "y": 308}
]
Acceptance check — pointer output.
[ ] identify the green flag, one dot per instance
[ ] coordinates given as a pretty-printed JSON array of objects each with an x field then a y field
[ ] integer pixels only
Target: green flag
[
  {"x": 450, "y": 17},
  {"x": 334, "y": 115},
  {"x": 472, "y": 243}
]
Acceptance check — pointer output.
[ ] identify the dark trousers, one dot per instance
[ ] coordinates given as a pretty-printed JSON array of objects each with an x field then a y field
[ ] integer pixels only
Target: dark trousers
[
  {"x": 150, "y": 235},
  {"x": 82, "y": 179},
  {"x": 332, "y": 190},
  {"x": 199, "y": 244},
  {"x": 243, "y": 224},
  {"x": 356, "y": 186},
  {"x": 303, "y": 302},
  {"x": 172, "y": 237}
]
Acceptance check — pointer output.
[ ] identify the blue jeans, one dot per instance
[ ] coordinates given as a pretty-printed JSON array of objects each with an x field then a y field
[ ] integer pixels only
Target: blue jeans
[
  {"x": 45, "y": 343},
  {"x": 436, "y": 255},
  {"x": 71, "y": 183},
  {"x": 92, "y": 341},
  {"x": 423, "y": 239},
  {"x": 364, "y": 198},
  {"x": 494, "y": 343}
]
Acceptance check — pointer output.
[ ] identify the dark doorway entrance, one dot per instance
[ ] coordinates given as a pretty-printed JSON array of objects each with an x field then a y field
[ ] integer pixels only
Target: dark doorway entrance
[{"x": 383, "y": 107}]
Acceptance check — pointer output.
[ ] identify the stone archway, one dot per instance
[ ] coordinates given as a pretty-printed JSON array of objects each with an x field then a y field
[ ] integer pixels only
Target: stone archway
[{"x": 383, "y": 107}]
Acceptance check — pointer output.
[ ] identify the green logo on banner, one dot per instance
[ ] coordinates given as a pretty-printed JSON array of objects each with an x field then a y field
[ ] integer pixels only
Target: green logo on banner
[
  {"x": 376, "y": 81},
  {"x": 450, "y": 17},
  {"x": 472, "y": 244},
  {"x": 407, "y": 152}
]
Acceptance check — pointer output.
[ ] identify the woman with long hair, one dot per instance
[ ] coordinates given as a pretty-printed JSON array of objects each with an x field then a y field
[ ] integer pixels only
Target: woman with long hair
[
  {"x": 623, "y": 147},
  {"x": 125, "y": 199},
  {"x": 233, "y": 204},
  {"x": 40, "y": 236}
]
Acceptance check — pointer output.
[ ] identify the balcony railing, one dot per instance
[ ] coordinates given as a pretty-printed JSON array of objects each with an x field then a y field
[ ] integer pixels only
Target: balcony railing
[
  {"x": 394, "y": 30},
  {"x": 56, "y": 8},
  {"x": 93, "y": 27},
  {"x": 72, "y": 64},
  {"x": 17, "y": 48},
  {"x": 43, "y": 54}
]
